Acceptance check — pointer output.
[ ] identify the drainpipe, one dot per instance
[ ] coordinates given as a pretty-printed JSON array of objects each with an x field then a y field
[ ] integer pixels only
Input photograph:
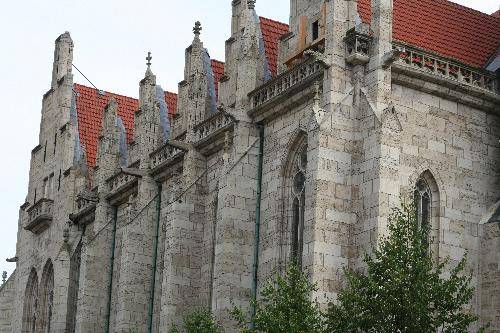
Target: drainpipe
[
  {"x": 260, "y": 128},
  {"x": 155, "y": 257},
  {"x": 111, "y": 265}
]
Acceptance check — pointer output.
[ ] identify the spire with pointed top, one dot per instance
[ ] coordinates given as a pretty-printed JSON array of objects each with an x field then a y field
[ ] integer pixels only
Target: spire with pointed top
[
  {"x": 197, "y": 29},
  {"x": 251, "y": 4}
]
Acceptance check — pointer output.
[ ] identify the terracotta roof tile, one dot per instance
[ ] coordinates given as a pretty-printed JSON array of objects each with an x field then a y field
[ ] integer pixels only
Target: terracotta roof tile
[
  {"x": 271, "y": 32},
  {"x": 90, "y": 105},
  {"x": 218, "y": 68},
  {"x": 443, "y": 27}
]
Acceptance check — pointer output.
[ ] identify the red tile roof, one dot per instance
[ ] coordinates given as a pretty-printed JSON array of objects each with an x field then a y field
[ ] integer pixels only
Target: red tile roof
[
  {"x": 496, "y": 14},
  {"x": 171, "y": 100},
  {"x": 218, "y": 69},
  {"x": 443, "y": 27},
  {"x": 90, "y": 105},
  {"x": 271, "y": 32}
]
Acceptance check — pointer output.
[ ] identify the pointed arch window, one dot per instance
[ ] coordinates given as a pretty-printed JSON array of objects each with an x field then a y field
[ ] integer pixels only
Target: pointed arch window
[
  {"x": 46, "y": 298},
  {"x": 298, "y": 188},
  {"x": 423, "y": 199},
  {"x": 427, "y": 201},
  {"x": 30, "y": 308}
]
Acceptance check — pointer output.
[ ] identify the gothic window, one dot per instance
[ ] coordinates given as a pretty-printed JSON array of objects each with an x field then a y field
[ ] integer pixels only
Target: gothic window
[
  {"x": 297, "y": 179},
  {"x": 46, "y": 299},
  {"x": 423, "y": 197},
  {"x": 74, "y": 282},
  {"x": 30, "y": 308},
  {"x": 426, "y": 196}
]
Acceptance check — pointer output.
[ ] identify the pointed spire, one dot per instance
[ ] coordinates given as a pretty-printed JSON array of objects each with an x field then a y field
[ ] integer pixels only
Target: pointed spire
[
  {"x": 251, "y": 4},
  {"x": 197, "y": 30}
]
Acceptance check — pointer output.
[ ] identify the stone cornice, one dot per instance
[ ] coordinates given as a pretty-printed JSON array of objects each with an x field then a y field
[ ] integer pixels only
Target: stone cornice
[{"x": 446, "y": 88}]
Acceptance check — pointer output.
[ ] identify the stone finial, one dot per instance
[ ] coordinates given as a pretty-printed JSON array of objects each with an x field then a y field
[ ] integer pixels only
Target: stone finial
[
  {"x": 251, "y": 4},
  {"x": 197, "y": 29},
  {"x": 148, "y": 63},
  {"x": 4, "y": 277},
  {"x": 148, "y": 59},
  {"x": 317, "y": 97}
]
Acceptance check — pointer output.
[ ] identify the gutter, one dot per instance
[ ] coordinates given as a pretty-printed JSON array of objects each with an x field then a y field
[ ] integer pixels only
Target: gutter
[
  {"x": 155, "y": 257},
  {"x": 111, "y": 266},
  {"x": 260, "y": 127}
]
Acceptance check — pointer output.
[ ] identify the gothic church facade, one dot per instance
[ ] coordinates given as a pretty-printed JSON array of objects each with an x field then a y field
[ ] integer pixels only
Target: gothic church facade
[{"x": 298, "y": 146}]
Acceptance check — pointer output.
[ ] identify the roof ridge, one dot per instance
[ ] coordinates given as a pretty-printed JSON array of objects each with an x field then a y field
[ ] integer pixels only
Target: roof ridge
[
  {"x": 464, "y": 7},
  {"x": 108, "y": 92},
  {"x": 116, "y": 94},
  {"x": 279, "y": 22}
]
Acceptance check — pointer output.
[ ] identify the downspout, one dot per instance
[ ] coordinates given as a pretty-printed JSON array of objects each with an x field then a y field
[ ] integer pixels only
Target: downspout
[
  {"x": 111, "y": 267},
  {"x": 155, "y": 257},
  {"x": 260, "y": 128}
]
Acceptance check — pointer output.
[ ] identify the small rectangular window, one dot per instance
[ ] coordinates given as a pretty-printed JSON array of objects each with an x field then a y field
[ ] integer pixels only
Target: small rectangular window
[
  {"x": 55, "y": 143},
  {"x": 59, "y": 181},
  {"x": 51, "y": 187},
  {"x": 46, "y": 188},
  {"x": 315, "y": 30},
  {"x": 45, "y": 151},
  {"x": 34, "y": 199}
]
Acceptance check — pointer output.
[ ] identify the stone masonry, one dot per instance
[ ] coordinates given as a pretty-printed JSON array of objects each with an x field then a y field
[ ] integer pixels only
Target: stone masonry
[{"x": 310, "y": 143}]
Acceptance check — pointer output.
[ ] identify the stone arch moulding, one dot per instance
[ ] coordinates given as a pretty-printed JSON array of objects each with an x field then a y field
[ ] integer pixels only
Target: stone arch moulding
[
  {"x": 298, "y": 135},
  {"x": 423, "y": 168},
  {"x": 30, "y": 307},
  {"x": 46, "y": 298}
]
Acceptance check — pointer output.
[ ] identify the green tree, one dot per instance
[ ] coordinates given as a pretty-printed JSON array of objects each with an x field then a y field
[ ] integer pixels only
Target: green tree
[
  {"x": 200, "y": 321},
  {"x": 403, "y": 289},
  {"x": 285, "y": 306}
]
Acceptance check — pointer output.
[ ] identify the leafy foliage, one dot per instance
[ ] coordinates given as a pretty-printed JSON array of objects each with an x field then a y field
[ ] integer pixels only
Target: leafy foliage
[
  {"x": 198, "y": 322},
  {"x": 285, "y": 306},
  {"x": 404, "y": 290}
]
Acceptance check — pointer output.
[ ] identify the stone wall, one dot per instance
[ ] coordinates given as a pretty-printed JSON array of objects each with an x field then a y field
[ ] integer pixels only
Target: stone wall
[
  {"x": 490, "y": 275},
  {"x": 7, "y": 291}
]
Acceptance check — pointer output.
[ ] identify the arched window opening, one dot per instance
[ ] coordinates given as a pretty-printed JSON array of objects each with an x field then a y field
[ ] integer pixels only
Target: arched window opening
[
  {"x": 426, "y": 195},
  {"x": 46, "y": 299},
  {"x": 30, "y": 308},
  {"x": 423, "y": 201},
  {"x": 297, "y": 176},
  {"x": 74, "y": 282}
]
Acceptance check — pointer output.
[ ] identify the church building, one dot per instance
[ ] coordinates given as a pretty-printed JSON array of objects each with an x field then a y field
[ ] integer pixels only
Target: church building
[{"x": 298, "y": 146}]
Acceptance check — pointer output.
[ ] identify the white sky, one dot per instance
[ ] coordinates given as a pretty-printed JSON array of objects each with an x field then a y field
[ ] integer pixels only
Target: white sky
[{"x": 111, "y": 39}]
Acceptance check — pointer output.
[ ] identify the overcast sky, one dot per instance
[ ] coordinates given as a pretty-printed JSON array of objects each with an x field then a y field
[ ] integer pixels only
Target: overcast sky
[{"x": 111, "y": 41}]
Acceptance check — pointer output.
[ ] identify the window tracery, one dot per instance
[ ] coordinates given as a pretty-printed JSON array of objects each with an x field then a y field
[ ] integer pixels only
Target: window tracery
[
  {"x": 297, "y": 195},
  {"x": 427, "y": 204},
  {"x": 30, "y": 311},
  {"x": 46, "y": 299},
  {"x": 423, "y": 199}
]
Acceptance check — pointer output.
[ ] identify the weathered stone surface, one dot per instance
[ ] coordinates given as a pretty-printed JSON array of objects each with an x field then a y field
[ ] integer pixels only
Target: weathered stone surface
[{"x": 136, "y": 258}]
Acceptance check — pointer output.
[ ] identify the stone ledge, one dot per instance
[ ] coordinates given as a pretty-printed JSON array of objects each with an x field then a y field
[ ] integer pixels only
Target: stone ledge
[{"x": 446, "y": 88}]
